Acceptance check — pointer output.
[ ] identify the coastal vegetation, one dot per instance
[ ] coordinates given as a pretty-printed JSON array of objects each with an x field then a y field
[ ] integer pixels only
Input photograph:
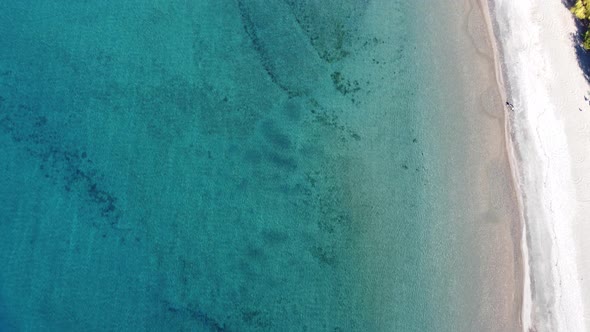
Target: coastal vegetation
[{"x": 582, "y": 11}]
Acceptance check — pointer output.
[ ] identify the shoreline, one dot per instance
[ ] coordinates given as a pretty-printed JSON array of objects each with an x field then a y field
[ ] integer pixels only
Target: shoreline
[
  {"x": 495, "y": 296},
  {"x": 503, "y": 88},
  {"x": 552, "y": 297}
]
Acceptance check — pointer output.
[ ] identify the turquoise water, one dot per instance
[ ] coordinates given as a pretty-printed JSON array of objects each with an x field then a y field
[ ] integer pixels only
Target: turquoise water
[{"x": 217, "y": 166}]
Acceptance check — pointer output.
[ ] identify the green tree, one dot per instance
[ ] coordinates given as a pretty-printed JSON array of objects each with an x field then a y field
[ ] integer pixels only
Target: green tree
[{"x": 582, "y": 11}]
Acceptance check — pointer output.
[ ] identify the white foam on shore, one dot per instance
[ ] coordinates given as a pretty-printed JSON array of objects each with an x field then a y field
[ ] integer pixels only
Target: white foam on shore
[{"x": 542, "y": 75}]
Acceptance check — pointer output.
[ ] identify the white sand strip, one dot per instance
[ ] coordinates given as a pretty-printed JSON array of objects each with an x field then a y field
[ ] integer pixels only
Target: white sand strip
[{"x": 550, "y": 140}]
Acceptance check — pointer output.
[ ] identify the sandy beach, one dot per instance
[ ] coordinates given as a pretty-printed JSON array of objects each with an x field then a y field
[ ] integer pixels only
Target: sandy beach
[{"x": 549, "y": 135}]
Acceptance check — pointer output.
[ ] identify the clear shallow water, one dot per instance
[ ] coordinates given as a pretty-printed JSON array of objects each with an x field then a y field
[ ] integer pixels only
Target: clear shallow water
[{"x": 221, "y": 166}]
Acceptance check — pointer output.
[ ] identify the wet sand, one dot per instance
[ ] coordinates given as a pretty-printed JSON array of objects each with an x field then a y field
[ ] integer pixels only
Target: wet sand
[
  {"x": 480, "y": 246},
  {"x": 496, "y": 230}
]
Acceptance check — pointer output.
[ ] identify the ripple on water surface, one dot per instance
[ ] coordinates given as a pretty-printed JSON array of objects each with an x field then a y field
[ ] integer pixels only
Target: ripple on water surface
[{"x": 202, "y": 159}]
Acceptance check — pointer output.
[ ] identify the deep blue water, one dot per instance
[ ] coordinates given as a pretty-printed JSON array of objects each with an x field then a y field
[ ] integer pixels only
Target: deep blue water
[{"x": 227, "y": 165}]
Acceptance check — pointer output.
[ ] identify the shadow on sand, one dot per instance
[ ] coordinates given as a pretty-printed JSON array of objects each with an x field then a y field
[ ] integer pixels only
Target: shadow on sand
[{"x": 581, "y": 53}]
